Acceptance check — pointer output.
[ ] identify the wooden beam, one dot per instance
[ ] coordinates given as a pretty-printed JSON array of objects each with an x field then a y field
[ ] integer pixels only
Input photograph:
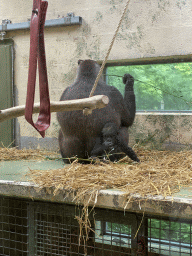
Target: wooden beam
[{"x": 98, "y": 101}]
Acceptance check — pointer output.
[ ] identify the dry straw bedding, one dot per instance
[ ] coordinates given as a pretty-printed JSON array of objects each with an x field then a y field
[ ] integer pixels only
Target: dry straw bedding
[
  {"x": 13, "y": 154},
  {"x": 159, "y": 173}
]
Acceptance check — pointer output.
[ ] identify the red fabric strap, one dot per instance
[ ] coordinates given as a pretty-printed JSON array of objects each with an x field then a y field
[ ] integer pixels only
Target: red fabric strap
[{"x": 37, "y": 52}]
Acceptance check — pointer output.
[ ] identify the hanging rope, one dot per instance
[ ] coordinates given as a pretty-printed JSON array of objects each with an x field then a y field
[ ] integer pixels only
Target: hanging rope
[{"x": 110, "y": 47}]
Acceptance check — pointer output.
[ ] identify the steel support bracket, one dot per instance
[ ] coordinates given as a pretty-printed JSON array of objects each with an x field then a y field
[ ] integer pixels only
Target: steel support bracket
[{"x": 69, "y": 20}]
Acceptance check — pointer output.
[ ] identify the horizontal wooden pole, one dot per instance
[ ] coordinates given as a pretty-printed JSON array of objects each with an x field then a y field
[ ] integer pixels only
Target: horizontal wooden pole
[{"x": 98, "y": 101}]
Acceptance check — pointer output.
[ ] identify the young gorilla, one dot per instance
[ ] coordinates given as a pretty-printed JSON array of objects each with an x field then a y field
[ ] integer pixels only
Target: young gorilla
[
  {"x": 111, "y": 144},
  {"x": 79, "y": 134}
]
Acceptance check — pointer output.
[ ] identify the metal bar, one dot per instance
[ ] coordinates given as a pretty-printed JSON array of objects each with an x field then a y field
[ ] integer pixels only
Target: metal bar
[
  {"x": 65, "y": 21},
  {"x": 31, "y": 229}
]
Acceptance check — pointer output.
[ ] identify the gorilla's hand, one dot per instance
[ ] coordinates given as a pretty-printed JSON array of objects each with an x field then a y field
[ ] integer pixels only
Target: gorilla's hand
[{"x": 128, "y": 80}]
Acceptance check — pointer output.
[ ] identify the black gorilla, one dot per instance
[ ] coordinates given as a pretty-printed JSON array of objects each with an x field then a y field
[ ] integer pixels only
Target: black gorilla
[
  {"x": 79, "y": 133},
  {"x": 111, "y": 145}
]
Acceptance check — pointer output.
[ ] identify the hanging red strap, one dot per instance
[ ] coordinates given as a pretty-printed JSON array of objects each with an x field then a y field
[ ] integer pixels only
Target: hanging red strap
[{"x": 37, "y": 52}]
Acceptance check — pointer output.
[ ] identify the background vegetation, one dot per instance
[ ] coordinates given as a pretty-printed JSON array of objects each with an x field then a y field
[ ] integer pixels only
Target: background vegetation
[
  {"x": 157, "y": 229},
  {"x": 157, "y": 86}
]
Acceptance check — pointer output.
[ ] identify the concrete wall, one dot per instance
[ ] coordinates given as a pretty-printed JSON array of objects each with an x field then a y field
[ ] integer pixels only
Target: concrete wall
[{"x": 150, "y": 29}]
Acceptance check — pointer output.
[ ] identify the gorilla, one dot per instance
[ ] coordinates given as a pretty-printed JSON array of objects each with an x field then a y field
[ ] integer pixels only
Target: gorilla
[
  {"x": 111, "y": 144},
  {"x": 80, "y": 135}
]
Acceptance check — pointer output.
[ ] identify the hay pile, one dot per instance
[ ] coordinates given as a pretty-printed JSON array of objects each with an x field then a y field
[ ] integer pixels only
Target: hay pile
[
  {"x": 13, "y": 154},
  {"x": 159, "y": 173}
]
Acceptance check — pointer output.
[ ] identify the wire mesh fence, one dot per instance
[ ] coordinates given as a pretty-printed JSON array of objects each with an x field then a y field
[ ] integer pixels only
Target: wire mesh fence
[
  {"x": 13, "y": 227},
  {"x": 50, "y": 229}
]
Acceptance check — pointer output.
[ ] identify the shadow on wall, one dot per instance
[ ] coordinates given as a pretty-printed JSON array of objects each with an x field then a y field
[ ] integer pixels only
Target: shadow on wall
[
  {"x": 46, "y": 143},
  {"x": 171, "y": 132}
]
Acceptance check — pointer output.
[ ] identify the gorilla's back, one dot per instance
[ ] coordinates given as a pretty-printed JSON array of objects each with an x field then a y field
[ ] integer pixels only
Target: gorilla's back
[{"x": 74, "y": 123}]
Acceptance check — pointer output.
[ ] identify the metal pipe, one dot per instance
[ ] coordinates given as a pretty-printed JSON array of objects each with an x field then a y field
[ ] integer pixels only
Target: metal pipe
[{"x": 65, "y": 21}]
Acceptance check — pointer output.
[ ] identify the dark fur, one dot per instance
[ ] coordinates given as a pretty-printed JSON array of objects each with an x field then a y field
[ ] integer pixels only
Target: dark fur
[
  {"x": 111, "y": 145},
  {"x": 79, "y": 133}
]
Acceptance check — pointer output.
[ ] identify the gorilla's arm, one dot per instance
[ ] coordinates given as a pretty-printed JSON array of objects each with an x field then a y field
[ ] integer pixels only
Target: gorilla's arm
[
  {"x": 126, "y": 149},
  {"x": 118, "y": 104},
  {"x": 125, "y": 106},
  {"x": 98, "y": 149},
  {"x": 129, "y": 98}
]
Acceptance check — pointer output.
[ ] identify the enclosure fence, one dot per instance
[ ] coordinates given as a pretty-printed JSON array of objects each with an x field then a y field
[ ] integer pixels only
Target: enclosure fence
[{"x": 50, "y": 229}]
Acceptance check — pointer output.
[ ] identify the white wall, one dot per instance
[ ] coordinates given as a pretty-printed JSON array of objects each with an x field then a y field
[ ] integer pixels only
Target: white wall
[{"x": 151, "y": 29}]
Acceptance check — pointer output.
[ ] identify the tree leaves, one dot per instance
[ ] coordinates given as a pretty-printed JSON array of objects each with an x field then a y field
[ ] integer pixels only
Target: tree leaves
[{"x": 157, "y": 86}]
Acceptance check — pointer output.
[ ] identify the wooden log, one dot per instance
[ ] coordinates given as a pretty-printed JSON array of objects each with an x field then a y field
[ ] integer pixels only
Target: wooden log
[{"x": 98, "y": 101}]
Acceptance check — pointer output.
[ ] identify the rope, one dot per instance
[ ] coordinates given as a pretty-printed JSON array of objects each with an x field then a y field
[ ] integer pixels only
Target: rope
[{"x": 107, "y": 55}]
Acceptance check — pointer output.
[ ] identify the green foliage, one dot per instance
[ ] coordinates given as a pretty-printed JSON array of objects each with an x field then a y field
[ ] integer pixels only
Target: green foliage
[
  {"x": 169, "y": 230},
  {"x": 158, "y": 229},
  {"x": 157, "y": 86},
  {"x": 118, "y": 228}
]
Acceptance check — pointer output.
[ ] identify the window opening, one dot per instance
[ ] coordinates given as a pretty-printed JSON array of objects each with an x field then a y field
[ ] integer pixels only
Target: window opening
[
  {"x": 158, "y": 87},
  {"x": 167, "y": 237}
]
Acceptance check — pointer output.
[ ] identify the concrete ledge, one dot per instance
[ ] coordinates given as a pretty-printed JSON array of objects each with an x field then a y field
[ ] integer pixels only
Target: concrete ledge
[{"x": 176, "y": 206}]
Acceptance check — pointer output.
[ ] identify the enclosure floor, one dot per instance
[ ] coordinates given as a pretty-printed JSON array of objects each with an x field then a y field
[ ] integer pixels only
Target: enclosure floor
[
  {"x": 16, "y": 170},
  {"x": 15, "y": 183}
]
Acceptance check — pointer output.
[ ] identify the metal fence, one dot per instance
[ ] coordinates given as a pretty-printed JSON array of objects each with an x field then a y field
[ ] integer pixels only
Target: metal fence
[{"x": 51, "y": 229}]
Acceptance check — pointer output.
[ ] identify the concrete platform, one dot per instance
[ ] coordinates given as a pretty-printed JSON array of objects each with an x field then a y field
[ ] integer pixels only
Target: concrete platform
[
  {"x": 13, "y": 183},
  {"x": 16, "y": 170}
]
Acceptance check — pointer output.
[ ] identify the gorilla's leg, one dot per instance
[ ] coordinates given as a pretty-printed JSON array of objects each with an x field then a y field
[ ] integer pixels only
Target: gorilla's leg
[
  {"x": 122, "y": 140},
  {"x": 71, "y": 146}
]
